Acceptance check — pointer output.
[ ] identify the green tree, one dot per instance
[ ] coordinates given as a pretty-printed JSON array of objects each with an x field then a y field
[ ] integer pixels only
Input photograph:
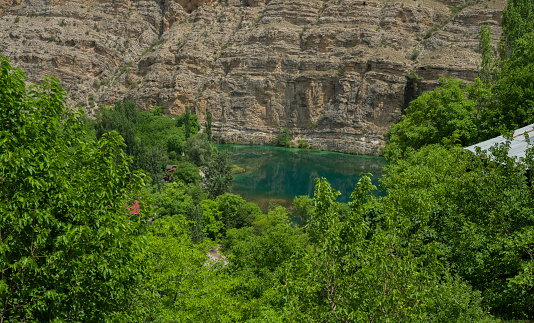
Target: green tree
[
  {"x": 123, "y": 119},
  {"x": 193, "y": 121},
  {"x": 198, "y": 149},
  {"x": 487, "y": 51},
  {"x": 153, "y": 160},
  {"x": 256, "y": 254},
  {"x": 155, "y": 130},
  {"x": 218, "y": 174},
  {"x": 513, "y": 92},
  {"x": 480, "y": 215},
  {"x": 211, "y": 217},
  {"x": 174, "y": 145},
  {"x": 157, "y": 110},
  {"x": 445, "y": 115},
  {"x": 195, "y": 215},
  {"x": 303, "y": 209},
  {"x": 66, "y": 240},
  {"x": 187, "y": 173},
  {"x": 347, "y": 275},
  {"x": 172, "y": 199},
  {"x": 517, "y": 20},
  {"x": 236, "y": 212},
  {"x": 180, "y": 282},
  {"x": 187, "y": 123},
  {"x": 510, "y": 104},
  {"x": 282, "y": 139}
]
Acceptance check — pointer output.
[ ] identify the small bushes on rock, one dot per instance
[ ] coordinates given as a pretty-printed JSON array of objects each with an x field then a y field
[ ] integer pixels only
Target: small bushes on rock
[{"x": 283, "y": 139}]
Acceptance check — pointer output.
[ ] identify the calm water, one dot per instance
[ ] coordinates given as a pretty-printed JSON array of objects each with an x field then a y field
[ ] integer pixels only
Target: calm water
[{"x": 277, "y": 175}]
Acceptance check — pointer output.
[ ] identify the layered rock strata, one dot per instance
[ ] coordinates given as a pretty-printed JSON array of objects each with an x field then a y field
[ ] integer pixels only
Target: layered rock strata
[{"x": 337, "y": 73}]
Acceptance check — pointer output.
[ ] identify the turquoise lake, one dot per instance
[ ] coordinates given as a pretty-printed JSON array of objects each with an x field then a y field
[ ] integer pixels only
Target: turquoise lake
[{"x": 277, "y": 175}]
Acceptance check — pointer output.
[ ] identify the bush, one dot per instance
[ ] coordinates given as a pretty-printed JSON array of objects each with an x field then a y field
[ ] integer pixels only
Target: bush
[
  {"x": 198, "y": 149},
  {"x": 415, "y": 54},
  {"x": 236, "y": 212},
  {"x": 283, "y": 139},
  {"x": 304, "y": 144},
  {"x": 187, "y": 173}
]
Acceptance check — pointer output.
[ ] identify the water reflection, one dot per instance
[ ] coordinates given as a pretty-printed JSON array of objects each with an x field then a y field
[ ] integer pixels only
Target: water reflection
[{"x": 277, "y": 175}]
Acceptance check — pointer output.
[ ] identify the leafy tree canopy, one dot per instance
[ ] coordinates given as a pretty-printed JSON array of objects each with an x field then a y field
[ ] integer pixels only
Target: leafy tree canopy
[
  {"x": 218, "y": 174},
  {"x": 445, "y": 115},
  {"x": 480, "y": 215},
  {"x": 517, "y": 20},
  {"x": 236, "y": 212},
  {"x": 181, "y": 122},
  {"x": 66, "y": 239},
  {"x": 123, "y": 119},
  {"x": 513, "y": 93},
  {"x": 198, "y": 149},
  {"x": 347, "y": 275}
]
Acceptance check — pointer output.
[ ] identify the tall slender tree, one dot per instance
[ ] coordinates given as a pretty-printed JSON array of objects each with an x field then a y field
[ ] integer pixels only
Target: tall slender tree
[
  {"x": 487, "y": 50},
  {"x": 123, "y": 119},
  {"x": 517, "y": 20},
  {"x": 187, "y": 122}
]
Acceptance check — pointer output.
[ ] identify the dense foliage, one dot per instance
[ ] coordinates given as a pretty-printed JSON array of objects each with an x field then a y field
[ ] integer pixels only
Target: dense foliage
[
  {"x": 66, "y": 240},
  {"x": 477, "y": 213},
  {"x": 480, "y": 216},
  {"x": 283, "y": 139},
  {"x": 445, "y": 116},
  {"x": 511, "y": 104},
  {"x": 452, "y": 241},
  {"x": 153, "y": 140},
  {"x": 353, "y": 270}
]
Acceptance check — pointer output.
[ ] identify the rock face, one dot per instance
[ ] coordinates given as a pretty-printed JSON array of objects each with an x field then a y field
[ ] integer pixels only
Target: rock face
[{"x": 337, "y": 73}]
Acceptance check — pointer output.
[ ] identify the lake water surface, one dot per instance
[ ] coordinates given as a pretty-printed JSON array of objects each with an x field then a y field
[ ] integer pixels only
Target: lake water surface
[{"x": 277, "y": 175}]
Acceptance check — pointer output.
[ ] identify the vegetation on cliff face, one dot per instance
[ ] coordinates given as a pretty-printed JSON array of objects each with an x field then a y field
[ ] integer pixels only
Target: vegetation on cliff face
[{"x": 282, "y": 139}]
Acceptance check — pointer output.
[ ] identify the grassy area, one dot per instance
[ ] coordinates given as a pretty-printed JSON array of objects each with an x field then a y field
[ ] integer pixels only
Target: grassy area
[{"x": 237, "y": 169}]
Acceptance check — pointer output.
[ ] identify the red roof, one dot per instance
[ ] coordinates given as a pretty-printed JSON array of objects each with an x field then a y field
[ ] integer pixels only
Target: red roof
[
  {"x": 134, "y": 208},
  {"x": 171, "y": 168}
]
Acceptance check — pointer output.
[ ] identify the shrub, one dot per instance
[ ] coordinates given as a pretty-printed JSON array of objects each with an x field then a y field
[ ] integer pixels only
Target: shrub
[
  {"x": 415, "y": 54},
  {"x": 304, "y": 144},
  {"x": 283, "y": 139}
]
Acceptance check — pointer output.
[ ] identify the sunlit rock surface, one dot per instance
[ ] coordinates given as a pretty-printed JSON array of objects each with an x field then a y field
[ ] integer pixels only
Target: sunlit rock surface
[{"x": 333, "y": 72}]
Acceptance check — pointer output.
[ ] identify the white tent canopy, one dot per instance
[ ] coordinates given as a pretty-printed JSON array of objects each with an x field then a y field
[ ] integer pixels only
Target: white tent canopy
[{"x": 518, "y": 145}]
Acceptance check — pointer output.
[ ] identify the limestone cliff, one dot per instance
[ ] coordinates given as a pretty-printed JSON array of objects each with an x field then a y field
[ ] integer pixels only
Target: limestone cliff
[{"x": 332, "y": 71}]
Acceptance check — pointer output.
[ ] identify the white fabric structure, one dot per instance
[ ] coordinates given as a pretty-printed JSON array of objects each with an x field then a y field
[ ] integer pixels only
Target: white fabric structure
[{"x": 518, "y": 145}]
